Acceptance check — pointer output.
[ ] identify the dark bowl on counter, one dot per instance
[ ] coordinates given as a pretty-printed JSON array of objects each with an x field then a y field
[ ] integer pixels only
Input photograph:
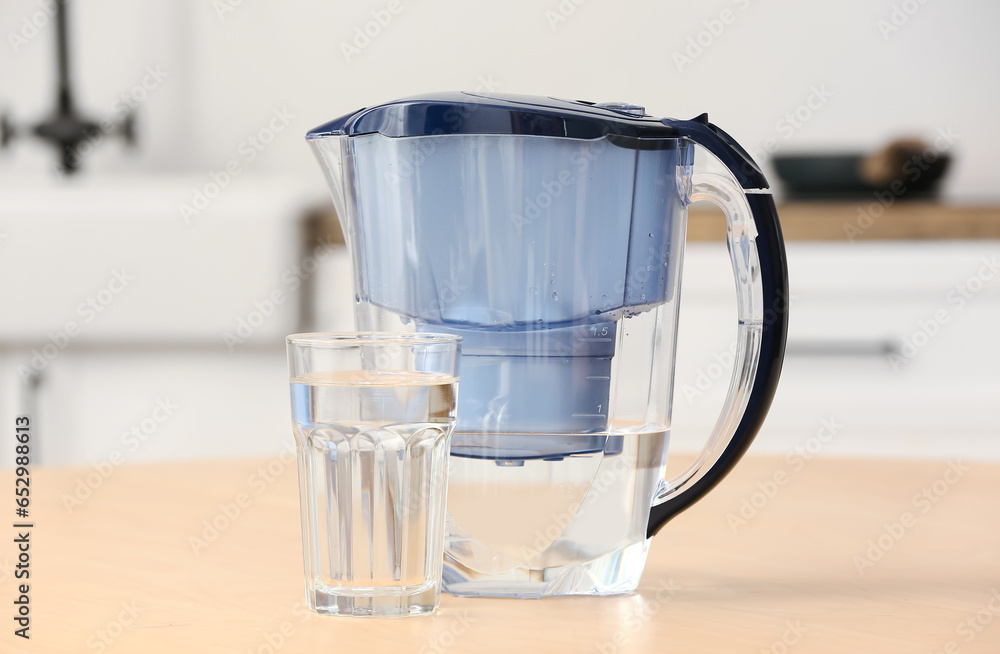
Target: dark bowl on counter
[{"x": 851, "y": 176}]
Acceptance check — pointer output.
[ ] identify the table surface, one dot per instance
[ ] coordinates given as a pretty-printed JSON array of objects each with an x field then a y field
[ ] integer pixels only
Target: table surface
[
  {"x": 863, "y": 220},
  {"x": 843, "y": 556}
]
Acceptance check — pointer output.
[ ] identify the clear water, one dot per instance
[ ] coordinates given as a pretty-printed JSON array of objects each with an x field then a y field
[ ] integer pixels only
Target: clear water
[
  {"x": 373, "y": 457},
  {"x": 571, "y": 525}
]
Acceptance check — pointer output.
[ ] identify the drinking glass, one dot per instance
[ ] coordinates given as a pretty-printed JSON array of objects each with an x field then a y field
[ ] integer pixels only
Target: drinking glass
[{"x": 373, "y": 415}]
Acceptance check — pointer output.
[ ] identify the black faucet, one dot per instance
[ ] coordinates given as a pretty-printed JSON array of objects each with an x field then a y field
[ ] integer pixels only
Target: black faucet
[{"x": 66, "y": 128}]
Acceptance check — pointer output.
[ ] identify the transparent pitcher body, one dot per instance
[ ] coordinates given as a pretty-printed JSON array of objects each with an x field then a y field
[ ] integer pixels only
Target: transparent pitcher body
[{"x": 558, "y": 261}]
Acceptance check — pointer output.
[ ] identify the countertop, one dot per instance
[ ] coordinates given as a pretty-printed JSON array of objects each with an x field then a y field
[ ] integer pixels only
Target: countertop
[
  {"x": 871, "y": 219},
  {"x": 796, "y": 555},
  {"x": 851, "y": 221}
]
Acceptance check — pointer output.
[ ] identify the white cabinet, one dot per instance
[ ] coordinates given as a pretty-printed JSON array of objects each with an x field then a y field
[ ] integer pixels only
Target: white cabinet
[
  {"x": 117, "y": 257},
  {"x": 896, "y": 341},
  {"x": 160, "y": 339},
  {"x": 151, "y": 300}
]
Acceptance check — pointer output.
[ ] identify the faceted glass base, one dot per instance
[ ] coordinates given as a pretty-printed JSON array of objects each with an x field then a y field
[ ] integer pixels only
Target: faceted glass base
[{"x": 374, "y": 602}]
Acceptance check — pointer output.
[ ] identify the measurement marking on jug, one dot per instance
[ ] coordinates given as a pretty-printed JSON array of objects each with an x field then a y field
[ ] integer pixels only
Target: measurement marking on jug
[
  {"x": 594, "y": 339},
  {"x": 589, "y": 415},
  {"x": 597, "y": 378}
]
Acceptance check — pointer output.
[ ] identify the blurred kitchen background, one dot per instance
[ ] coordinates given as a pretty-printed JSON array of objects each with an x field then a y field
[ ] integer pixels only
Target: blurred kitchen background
[{"x": 146, "y": 295}]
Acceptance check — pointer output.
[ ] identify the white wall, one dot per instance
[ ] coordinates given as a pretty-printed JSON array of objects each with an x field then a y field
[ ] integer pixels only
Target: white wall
[{"x": 226, "y": 75}]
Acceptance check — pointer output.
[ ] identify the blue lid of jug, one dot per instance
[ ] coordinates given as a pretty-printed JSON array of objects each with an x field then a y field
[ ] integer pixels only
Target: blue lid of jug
[
  {"x": 627, "y": 125},
  {"x": 471, "y": 113}
]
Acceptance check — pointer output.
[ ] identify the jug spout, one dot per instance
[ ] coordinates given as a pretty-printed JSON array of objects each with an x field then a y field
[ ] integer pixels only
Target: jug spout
[{"x": 331, "y": 150}]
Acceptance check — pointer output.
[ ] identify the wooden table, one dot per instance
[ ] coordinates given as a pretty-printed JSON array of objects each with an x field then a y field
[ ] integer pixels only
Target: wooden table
[
  {"x": 864, "y": 220},
  {"x": 120, "y": 573}
]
